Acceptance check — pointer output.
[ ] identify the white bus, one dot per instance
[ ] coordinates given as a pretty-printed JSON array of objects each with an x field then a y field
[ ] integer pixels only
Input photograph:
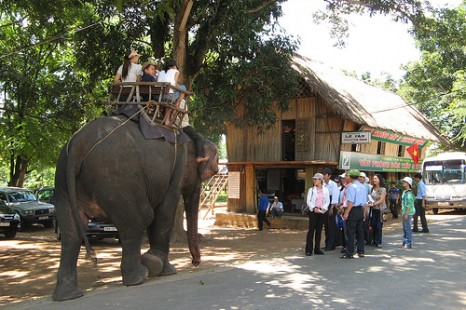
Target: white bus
[{"x": 445, "y": 178}]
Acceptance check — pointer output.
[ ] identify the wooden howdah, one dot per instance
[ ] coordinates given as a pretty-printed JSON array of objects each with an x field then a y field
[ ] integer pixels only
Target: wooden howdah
[{"x": 155, "y": 101}]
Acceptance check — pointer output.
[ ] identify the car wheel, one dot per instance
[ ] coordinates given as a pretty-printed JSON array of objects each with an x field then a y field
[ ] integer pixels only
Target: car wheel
[
  {"x": 10, "y": 234},
  {"x": 48, "y": 224},
  {"x": 435, "y": 211},
  {"x": 21, "y": 226}
]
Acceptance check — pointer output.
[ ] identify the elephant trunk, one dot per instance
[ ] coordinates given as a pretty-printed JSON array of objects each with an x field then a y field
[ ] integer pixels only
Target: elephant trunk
[{"x": 192, "y": 208}]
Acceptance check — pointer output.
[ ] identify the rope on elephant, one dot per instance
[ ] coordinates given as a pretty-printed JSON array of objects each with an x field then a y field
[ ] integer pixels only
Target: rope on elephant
[
  {"x": 110, "y": 133},
  {"x": 176, "y": 150}
]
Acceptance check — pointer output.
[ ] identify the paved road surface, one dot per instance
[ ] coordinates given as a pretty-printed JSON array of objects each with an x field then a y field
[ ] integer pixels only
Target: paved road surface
[{"x": 431, "y": 275}]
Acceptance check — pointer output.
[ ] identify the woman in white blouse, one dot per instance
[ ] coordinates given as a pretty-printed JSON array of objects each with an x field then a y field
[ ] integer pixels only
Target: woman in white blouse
[{"x": 318, "y": 200}]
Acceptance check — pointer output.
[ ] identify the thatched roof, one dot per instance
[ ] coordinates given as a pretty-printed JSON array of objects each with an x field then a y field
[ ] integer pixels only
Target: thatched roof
[{"x": 366, "y": 104}]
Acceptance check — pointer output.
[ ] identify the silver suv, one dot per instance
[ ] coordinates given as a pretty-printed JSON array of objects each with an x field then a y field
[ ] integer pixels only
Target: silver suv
[{"x": 30, "y": 210}]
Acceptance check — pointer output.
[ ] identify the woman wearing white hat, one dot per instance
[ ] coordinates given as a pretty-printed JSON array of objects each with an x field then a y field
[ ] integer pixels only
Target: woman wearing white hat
[
  {"x": 318, "y": 200},
  {"x": 130, "y": 70},
  {"x": 407, "y": 212}
]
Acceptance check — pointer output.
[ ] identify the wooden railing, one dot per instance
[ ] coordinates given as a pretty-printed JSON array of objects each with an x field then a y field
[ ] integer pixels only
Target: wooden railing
[{"x": 157, "y": 100}]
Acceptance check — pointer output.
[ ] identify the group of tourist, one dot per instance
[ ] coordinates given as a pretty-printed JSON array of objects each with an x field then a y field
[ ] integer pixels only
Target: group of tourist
[
  {"x": 352, "y": 211},
  {"x": 132, "y": 71},
  {"x": 361, "y": 208}
]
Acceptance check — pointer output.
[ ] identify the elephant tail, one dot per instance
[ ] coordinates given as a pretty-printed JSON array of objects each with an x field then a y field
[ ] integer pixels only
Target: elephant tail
[{"x": 73, "y": 166}]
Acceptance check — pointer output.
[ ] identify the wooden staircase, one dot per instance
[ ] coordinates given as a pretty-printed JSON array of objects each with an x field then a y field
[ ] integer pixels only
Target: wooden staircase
[{"x": 216, "y": 184}]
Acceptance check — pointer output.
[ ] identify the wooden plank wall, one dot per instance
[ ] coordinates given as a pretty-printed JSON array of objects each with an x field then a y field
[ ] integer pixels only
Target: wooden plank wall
[
  {"x": 265, "y": 146},
  {"x": 318, "y": 136},
  {"x": 328, "y": 127}
]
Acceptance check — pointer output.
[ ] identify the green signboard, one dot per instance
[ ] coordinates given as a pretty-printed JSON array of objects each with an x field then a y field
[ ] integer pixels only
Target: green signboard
[
  {"x": 393, "y": 137},
  {"x": 381, "y": 163}
]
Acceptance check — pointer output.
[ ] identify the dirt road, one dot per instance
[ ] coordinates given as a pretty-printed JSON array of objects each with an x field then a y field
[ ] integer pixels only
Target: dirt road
[{"x": 28, "y": 263}]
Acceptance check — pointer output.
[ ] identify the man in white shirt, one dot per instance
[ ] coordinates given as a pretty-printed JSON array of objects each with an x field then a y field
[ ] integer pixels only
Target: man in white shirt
[
  {"x": 330, "y": 223},
  {"x": 276, "y": 209}
]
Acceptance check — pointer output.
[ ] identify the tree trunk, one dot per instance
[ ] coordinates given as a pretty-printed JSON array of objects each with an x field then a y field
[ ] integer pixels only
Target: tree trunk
[
  {"x": 18, "y": 171},
  {"x": 180, "y": 41}
]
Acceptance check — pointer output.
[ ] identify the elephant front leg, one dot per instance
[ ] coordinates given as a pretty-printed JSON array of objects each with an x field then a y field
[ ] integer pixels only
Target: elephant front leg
[
  {"x": 159, "y": 234},
  {"x": 132, "y": 270}
]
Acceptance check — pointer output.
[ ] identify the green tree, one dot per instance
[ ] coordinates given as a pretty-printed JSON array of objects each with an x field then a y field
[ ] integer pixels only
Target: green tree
[
  {"x": 436, "y": 83},
  {"x": 44, "y": 98}
]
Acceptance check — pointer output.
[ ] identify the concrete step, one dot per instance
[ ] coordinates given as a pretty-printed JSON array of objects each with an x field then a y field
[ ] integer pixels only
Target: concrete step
[{"x": 246, "y": 220}]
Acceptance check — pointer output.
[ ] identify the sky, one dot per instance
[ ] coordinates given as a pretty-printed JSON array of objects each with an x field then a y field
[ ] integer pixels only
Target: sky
[{"x": 376, "y": 44}]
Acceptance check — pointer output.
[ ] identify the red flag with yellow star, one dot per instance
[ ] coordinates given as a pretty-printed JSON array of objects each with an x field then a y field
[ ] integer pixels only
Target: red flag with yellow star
[{"x": 413, "y": 151}]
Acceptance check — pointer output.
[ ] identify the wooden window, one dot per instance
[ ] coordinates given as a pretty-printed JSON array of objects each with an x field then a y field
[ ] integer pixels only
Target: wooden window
[
  {"x": 401, "y": 150},
  {"x": 381, "y": 148},
  {"x": 355, "y": 147}
]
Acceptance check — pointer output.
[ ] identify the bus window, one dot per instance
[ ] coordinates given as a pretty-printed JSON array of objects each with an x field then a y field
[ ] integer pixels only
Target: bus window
[{"x": 448, "y": 171}]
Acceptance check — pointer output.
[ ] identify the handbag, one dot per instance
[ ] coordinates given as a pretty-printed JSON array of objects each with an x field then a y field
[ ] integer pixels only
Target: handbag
[
  {"x": 305, "y": 209},
  {"x": 340, "y": 221}
]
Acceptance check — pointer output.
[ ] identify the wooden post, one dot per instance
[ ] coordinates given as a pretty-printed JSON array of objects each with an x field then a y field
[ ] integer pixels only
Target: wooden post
[
  {"x": 251, "y": 190},
  {"x": 308, "y": 183}
]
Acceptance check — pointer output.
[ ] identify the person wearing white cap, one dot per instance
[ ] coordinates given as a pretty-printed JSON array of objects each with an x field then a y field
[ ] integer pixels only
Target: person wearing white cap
[
  {"x": 407, "y": 212},
  {"x": 318, "y": 200},
  {"x": 130, "y": 70},
  {"x": 276, "y": 209}
]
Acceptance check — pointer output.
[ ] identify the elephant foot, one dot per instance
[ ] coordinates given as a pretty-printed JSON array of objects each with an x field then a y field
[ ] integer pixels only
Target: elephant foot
[
  {"x": 135, "y": 277},
  {"x": 196, "y": 261},
  {"x": 153, "y": 263},
  {"x": 64, "y": 292},
  {"x": 168, "y": 269}
]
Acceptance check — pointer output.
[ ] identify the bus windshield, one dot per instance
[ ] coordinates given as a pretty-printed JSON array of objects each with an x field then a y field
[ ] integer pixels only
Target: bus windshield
[{"x": 444, "y": 171}]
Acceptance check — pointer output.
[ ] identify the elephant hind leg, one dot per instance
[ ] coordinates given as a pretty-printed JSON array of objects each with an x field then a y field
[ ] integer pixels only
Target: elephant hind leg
[{"x": 67, "y": 282}]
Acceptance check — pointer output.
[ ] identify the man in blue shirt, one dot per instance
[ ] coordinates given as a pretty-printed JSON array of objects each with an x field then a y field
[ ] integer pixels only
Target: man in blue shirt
[
  {"x": 262, "y": 210},
  {"x": 393, "y": 197},
  {"x": 356, "y": 197},
  {"x": 420, "y": 204}
]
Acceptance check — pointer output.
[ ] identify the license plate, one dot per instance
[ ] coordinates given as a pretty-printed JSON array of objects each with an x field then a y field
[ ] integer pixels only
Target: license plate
[
  {"x": 43, "y": 218},
  {"x": 4, "y": 224},
  {"x": 110, "y": 229},
  {"x": 443, "y": 204}
]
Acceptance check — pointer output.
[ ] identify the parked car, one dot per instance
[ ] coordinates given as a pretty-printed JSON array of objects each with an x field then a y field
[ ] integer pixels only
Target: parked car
[
  {"x": 45, "y": 194},
  {"x": 10, "y": 222},
  {"x": 25, "y": 204},
  {"x": 95, "y": 229}
]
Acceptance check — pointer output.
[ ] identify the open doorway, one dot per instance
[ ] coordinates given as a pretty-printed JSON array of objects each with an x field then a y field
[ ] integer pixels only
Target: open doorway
[
  {"x": 286, "y": 183},
  {"x": 288, "y": 140}
]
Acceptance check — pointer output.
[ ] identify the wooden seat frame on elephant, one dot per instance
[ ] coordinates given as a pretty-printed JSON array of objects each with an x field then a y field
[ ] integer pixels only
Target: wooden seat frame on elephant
[{"x": 155, "y": 100}]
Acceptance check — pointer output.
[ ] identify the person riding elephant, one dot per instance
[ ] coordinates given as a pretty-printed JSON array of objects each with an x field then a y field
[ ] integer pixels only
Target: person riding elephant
[{"x": 110, "y": 172}]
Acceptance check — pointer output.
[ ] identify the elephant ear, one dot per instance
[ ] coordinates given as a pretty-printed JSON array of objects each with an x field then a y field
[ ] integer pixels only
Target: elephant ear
[{"x": 210, "y": 167}]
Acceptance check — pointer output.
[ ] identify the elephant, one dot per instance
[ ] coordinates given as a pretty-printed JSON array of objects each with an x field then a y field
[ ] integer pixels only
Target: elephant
[{"x": 110, "y": 172}]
